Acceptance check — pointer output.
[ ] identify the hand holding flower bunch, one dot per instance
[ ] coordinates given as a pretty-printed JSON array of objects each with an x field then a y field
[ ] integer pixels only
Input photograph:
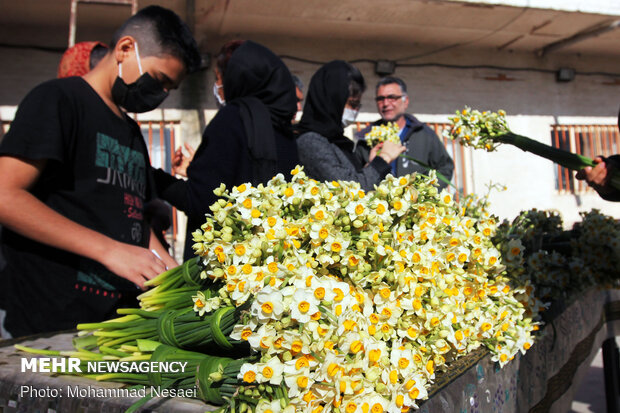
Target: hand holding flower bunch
[{"x": 487, "y": 130}]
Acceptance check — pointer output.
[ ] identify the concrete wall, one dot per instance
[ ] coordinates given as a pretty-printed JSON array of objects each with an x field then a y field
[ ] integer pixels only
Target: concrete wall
[
  {"x": 586, "y": 6},
  {"x": 533, "y": 100}
]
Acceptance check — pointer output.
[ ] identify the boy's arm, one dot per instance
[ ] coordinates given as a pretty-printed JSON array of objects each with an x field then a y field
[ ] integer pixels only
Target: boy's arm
[
  {"x": 163, "y": 253},
  {"x": 25, "y": 214}
]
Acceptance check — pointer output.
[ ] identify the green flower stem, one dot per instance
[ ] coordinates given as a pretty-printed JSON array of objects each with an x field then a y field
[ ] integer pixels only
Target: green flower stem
[
  {"x": 37, "y": 351},
  {"x": 164, "y": 276},
  {"x": 124, "y": 377},
  {"x": 564, "y": 158},
  {"x": 113, "y": 352},
  {"x": 439, "y": 174},
  {"x": 137, "y": 311}
]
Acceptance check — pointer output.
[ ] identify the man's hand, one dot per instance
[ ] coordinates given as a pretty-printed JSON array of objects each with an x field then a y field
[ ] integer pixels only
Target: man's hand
[
  {"x": 598, "y": 177},
  {"x": 180, "y": 162},
  {"x": 133, "y": 263}
]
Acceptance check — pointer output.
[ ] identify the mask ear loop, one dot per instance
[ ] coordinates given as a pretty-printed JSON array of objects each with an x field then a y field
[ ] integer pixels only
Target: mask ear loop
[{"x": 138, "y": 57}]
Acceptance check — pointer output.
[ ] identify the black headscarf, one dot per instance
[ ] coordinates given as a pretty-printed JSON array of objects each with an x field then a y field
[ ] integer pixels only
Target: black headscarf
[
  {"x": 327, "y": 94},
  {"x": 260, "y": 84}
]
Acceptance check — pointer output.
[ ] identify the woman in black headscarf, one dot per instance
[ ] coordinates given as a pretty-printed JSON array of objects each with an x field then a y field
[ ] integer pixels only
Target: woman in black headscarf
[
  {"x": 333, "y": 99},
  {"x": 249, "y": 140}
]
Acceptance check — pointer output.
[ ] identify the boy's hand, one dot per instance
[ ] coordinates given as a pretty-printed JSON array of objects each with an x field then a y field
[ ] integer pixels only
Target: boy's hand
[{"x": 133, "y": 263}]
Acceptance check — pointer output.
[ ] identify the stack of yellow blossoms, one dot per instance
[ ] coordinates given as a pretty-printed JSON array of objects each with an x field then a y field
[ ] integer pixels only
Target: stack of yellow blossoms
[
  {"x": 356, "y": 300},
  {"x": 388, "y": 132}
]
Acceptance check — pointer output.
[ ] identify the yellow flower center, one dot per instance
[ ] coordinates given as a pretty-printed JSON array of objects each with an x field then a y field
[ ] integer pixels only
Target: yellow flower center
[
  {"x": 268, "y": 372},
  {"x": 304, "y": 306},
  {"x": 267, "y": 307},
  {"x": 302, "y": 381},
  {"x": 272, "y": 267},
  {"x": 296, "y": 346},
  {"x": 301, "y": 363},
  {"x": 249, "y": 376}
]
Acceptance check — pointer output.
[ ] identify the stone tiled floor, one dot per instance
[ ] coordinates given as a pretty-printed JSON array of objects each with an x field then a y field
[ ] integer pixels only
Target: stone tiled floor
[{"x": 590, "y": 397}]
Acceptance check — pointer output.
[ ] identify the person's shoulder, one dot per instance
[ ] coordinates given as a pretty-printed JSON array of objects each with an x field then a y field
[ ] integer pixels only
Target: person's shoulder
[
  {"x": 228, "y": 116},
  {"x": 66, "y": 85},
  {"x": 312, "y": 137}
]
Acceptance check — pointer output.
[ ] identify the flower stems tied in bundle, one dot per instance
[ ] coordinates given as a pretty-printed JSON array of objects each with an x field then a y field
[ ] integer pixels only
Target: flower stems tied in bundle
[
  {"x": 186, "y": 329},
  {"x": 487, "y": 130}
]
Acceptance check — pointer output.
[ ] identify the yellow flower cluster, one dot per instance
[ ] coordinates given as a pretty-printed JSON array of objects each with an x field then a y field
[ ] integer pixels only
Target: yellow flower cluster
[
  {"x": 381, "y": 133},
  {"x": 355, "y": 300},
  {"x": 478, "y": 129}
]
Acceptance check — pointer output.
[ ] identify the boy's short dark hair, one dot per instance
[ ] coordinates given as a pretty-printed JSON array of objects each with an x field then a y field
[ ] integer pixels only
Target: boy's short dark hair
[
  {"x": 389, "y": 80},
  {"x": 161, "y": 31}
]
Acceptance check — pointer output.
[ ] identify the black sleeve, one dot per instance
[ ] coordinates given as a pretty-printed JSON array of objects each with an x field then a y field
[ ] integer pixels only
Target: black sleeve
[
  {"x": 439, "y": 158},
  {"x": 171, "y": 189},
  {"x": 220, "y": 158},
  {"x": 43, "y": 125},
  {"x": 613, "y": 160}
]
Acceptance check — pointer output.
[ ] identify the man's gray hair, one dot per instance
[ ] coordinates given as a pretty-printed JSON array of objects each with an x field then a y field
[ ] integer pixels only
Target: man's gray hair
[{"x": 390, "y": 80}]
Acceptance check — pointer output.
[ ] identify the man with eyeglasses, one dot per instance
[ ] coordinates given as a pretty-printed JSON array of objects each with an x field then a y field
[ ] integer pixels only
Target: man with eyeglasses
[{"x": 421, "y": 141}]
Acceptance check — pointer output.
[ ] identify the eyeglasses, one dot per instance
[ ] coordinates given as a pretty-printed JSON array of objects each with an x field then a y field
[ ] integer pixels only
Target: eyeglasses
[{"x": 389, "y": 98}]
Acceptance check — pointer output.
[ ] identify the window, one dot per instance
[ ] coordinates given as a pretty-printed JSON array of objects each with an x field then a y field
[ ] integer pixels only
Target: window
[
  {"x": 586, "y": 140},
  {"x": 160, "y": 141}
]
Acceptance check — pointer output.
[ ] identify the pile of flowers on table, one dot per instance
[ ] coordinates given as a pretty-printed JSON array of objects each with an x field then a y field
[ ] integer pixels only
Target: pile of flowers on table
[
  {"x": 562, "y": 264},
  {"x": 333, "y": 298}
]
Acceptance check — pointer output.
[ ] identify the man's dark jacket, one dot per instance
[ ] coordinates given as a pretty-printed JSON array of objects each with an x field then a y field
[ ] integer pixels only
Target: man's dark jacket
[{"x": 423, "y": 144}]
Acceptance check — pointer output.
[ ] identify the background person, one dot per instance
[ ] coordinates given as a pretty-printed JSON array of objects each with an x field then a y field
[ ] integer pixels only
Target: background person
[
  {"x": 81, "y": 58},
  {"x": 421, "y": 141},
  {"x": 333, "y": 99},
  {"x": 248, "y": 140},
  {"x": 76, "y": 178}
]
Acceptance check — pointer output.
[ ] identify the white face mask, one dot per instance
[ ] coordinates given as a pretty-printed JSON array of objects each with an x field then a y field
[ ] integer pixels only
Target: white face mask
[
  {"x": 348, "y": 116},
  {"x": 218, "y": 98}
]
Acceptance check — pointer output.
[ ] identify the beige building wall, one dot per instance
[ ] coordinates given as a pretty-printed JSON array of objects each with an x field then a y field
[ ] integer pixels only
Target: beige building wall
[{"x": 532, "y": 98}]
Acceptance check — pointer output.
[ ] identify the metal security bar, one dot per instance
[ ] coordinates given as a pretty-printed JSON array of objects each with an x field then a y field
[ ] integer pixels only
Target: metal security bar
[
  {"x": 160, "y": 139},
  {"x": 587, "y": 140},
  {"x": 456, "y": 151}
]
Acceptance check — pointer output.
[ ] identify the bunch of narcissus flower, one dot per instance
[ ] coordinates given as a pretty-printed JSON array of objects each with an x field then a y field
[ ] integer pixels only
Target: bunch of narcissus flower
[
  {"x": 598, "y": 246},
  {"x": 357, "y": 299},
  {"x": 561, "y": 263},
  {"x": 381, "y": 133},
  {"x": 487, "y": 130},
  {"x": 477, "y": 129}
]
